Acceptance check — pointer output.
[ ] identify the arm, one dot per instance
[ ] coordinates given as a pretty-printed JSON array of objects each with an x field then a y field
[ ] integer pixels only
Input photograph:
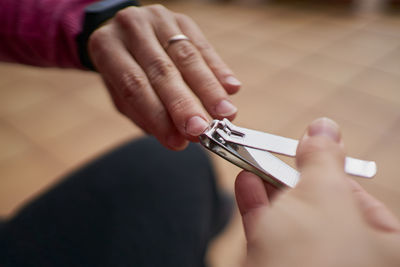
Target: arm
[
  {"x": 41, "y": 32},
  {"x": 168, "y": 91}
]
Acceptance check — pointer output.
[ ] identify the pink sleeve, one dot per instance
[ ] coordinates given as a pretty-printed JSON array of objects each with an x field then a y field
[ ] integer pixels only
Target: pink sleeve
[{"x": 41, "y": 32}]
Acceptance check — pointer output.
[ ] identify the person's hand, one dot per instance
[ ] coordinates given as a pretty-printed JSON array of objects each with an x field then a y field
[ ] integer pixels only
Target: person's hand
[
  {"x": 327, "y": 220},
  {"x": 162, "y": 88}
]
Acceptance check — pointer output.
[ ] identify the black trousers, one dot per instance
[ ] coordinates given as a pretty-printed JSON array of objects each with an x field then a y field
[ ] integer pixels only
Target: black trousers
[{"x": 140, "y": 205}]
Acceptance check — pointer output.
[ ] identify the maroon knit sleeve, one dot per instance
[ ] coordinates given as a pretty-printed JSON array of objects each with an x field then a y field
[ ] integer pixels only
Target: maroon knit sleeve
[{"x": 41, "y": 32}]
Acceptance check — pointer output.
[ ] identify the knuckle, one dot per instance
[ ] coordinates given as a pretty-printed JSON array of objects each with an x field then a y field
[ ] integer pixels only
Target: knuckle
[
  {"x": 158, "y": 9},
  {"x": 160, "y": 70},
  {"x": 127, "y": 15},
  {"x": 204, "y": 46},
  {"x": 320, "y": 148},
  {"x": 157, "y": 116},
  {"x": 212, "y": 89},
  {"x": 97, "y": 39},
  {"x": 132, "y": 85},
  {"x": 183, "y": 18},
  {"x": 186, "y": 54},
  {"x": 180, "y": 106}
]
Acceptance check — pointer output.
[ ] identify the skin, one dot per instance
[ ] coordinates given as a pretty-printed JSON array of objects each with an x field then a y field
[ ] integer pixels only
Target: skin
[
  {"x": 327, "y": 220},
  {"x": 167, "y": 91}
]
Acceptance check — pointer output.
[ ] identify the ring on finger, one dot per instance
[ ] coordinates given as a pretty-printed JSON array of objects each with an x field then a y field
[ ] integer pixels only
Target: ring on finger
[{"x": 174, "y": 39}]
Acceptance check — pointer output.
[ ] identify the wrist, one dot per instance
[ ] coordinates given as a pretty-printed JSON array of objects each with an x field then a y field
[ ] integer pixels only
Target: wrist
[{"x": 96, "y": 14}]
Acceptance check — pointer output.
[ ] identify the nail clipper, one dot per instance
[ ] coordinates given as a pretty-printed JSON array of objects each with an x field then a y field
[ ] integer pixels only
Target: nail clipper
[{"x": 251, "y": 150}]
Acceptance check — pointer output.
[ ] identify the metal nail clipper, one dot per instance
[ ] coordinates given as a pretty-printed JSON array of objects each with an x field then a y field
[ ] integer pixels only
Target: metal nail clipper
[{"x": 251, "y": 150}]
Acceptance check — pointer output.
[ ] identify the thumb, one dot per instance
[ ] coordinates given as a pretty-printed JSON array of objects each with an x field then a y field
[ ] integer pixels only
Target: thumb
[{"x": 320, "y": 159}]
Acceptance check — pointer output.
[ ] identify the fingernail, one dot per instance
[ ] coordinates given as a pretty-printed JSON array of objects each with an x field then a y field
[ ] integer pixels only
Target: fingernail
[
  {"x": 176, "y": 141},
  {"x": 233, "y": 81},
  {"x": 196, "y": 126},
  {"x": 325, "y": 127},
  {"x": 225, "y": 108}
]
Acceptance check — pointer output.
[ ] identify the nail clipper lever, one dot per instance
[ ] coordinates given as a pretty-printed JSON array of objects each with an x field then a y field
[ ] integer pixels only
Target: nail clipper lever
[{"x": 251, "y": 150}]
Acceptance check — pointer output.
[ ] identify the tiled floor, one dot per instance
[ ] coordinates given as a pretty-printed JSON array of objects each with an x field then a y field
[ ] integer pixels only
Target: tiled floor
[{"x": 297, "y": 60}]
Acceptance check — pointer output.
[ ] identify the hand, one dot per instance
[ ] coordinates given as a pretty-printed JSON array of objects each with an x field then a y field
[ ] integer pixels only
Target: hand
[
  {"x": 157, "y": 87},
  {"x": 327, "y": 220}
]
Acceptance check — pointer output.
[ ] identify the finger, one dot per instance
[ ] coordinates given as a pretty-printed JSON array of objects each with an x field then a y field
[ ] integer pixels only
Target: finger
[
  {"x": 320, "y": 158},
  {"x": 272, "y": 191},
  {"x": 124, "y": 108},
  {"x": 196, "y": 73},
  {"x": 213, "y": 60},
  {"x": 250, "y": 192},
  {"x": 128, "y": 81},
  {"x": 187, "y": 114},
  {"x": 374, "y": 211}
]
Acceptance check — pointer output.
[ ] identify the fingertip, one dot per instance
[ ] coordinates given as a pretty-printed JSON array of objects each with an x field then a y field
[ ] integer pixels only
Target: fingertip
[
  {"x": 231, "y": 84},
  {"x": 326, "y": 127},
  {"x": 230, "y": 117},
  {"x": 195, "y": 126},
  {"x": 225, "y": 109},
  {"x": 322, "y": 132},
  {"x": 177, "y": 142},
  {"x": 250, "y": 192}
]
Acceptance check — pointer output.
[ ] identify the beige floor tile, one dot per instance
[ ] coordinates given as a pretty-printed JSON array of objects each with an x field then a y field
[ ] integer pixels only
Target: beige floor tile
[
  {"x": 379, "y": 84},
  {"x": 361, "y": 109},
  {"x": 19, "y": 95},
  {"x": 385, "y": 186},
  {"x": 232, "y": 42},
  {"x": 250, "y": 69},
  {"x": 265, "y": 112},
  {"x": 52, "y": 117},
  {"x": 24, "y": 175},
  {"x": 272, "y": 28},
  {"x": 366, "y": 38},
  {"x": 361, "y": 47},
  {"x": 276, "y": 53},
  {"x": 327, "y": 68},
  {"x": 385, "y": 153},
  {"x": 267, "y": 28},
  {"x": 67, "y": 80},
  {"x": 390, "y": 62},
  {"x": 299, "y": 88},
  {"x": 349, "y": 18},
  {"x": 326, "y": 29},
  {"x": 354, "y": 54},
  {"x": 12, "y": 142},
  {"x": 90, "y": 139},
  {"x": 97, "y": 97},
  {"x": 386, "y": 24},
  {"x": 304, "y": 39},
  {"x": 9, "y": 73}
]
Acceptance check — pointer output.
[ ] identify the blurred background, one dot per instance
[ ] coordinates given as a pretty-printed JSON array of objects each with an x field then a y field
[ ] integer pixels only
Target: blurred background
[{"x": 297, "y": 60}]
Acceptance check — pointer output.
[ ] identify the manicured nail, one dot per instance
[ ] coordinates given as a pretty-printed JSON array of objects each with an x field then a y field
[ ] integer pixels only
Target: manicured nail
[
  {"x": 225, "y": 108},
  {"x": 196, "y": 126},
  {"x": 232, "y": 81},
  {"x": 326, "y": 127}
]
